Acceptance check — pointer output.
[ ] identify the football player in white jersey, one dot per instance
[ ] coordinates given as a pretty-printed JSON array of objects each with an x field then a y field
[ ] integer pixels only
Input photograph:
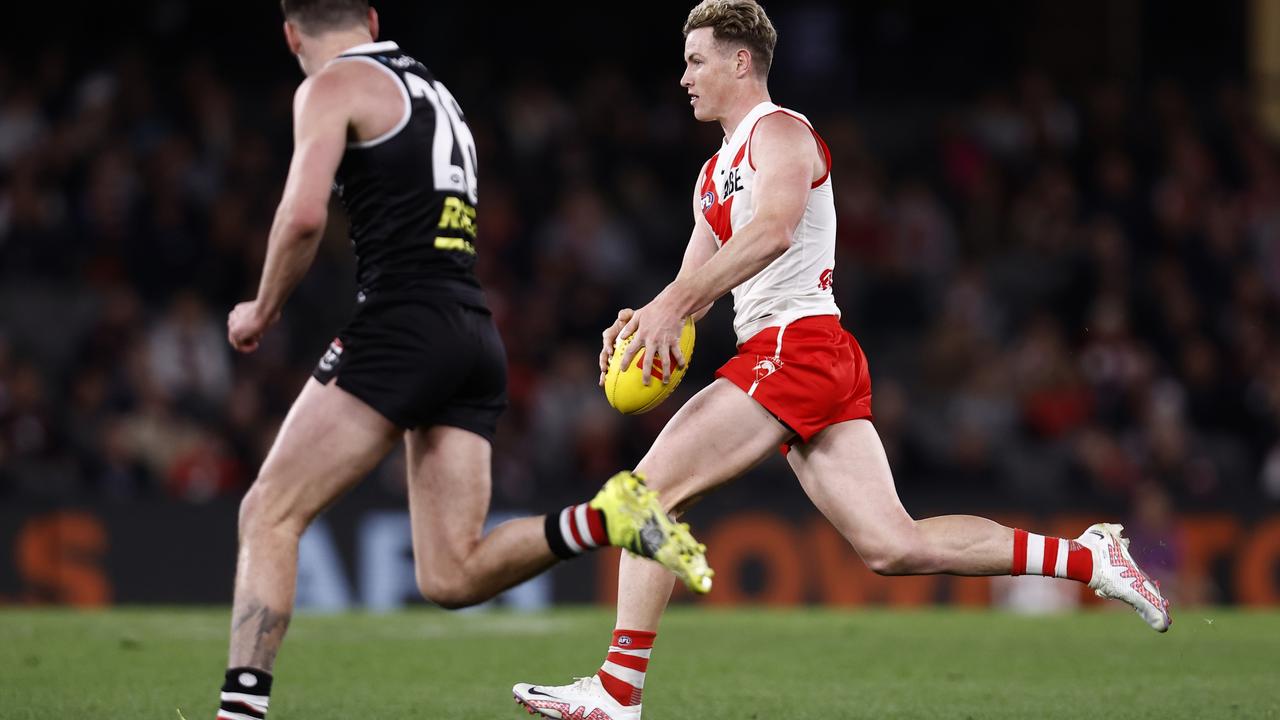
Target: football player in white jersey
[{"x": 764, "y": 228}]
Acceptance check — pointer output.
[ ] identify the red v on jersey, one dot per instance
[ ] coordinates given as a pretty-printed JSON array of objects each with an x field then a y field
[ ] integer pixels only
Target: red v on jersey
[{"x": 719, "y": 214}]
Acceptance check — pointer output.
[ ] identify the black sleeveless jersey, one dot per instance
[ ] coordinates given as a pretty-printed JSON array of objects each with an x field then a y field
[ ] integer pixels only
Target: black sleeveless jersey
[{"x": 410, "y": 194}]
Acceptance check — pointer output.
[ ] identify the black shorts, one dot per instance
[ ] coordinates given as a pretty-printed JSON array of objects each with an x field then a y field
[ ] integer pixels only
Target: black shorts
[{"x": 421, "y": 363}]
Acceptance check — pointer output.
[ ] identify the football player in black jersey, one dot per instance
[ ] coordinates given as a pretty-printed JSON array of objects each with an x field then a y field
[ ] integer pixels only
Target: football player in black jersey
[{"x": 421, "y": 358}]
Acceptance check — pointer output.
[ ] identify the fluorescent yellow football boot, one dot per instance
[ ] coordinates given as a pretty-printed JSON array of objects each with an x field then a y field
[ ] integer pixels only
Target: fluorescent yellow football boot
[{"x": 635, "y": 520}]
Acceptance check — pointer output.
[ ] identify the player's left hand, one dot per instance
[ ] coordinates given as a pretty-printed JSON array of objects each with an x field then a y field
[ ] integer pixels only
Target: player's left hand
[
  {"x": 656, "y": 328},
  {"x": 246, "y": 324}
]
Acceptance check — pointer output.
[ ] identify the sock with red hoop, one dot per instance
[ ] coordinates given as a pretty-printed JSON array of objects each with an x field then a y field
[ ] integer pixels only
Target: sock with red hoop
[
  {"x": 622, "y": 674},
  {"x": 1050, "y": 556}
]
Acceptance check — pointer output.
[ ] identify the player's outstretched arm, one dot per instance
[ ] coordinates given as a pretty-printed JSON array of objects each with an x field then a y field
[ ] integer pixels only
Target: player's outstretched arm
[
  {"x": 321, "y": 117},
  {"x": 783, "y": 151}
]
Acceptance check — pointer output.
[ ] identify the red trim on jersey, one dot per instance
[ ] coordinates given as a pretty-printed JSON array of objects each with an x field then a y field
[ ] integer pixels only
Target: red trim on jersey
[
  {"x": 1050, "y": 556},
  {"x": 628, "y": 661},
  {"x": 826, "y": 152},
  {"x": 751, "y": 135},
  {"x": 711, "y": 168},
  {"x": 719, "y": 215},
  {"x": 1019, "y": 552}
]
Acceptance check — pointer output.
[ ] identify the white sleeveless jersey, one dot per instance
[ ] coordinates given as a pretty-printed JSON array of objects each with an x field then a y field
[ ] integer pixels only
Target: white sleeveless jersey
[{"x": 797, "y": 284}]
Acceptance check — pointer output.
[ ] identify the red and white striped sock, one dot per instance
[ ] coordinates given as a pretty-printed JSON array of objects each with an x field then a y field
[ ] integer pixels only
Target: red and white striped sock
[
  {"x": 622, "y": 674},
  {"x": 1055, "y": 557},
  {"x": 575, "y": 530}
]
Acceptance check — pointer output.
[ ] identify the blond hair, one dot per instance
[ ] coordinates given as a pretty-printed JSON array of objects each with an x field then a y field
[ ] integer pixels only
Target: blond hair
[{"x": 737, "y": 21}]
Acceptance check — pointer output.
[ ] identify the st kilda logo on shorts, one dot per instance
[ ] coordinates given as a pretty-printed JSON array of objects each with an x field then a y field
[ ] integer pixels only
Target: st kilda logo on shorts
[{"x": 331, "y": 356}]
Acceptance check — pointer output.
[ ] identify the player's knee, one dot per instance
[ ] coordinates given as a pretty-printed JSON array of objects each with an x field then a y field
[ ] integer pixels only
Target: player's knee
[
  {"x": 251, "y": 509},
  {"x": 892, "y": 559},
  {"x": 451, "y": 591},
  {"x": 898, "y": 551},
  {"x": 886, "y": 564},
  {"x": 263, "y": 510},
  {"x": 673, "y": 501},
  {"x": 675, "y": 497}
]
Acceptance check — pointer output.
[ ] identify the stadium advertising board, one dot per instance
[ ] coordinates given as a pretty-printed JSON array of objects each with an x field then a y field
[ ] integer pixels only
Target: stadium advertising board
[{"x": 361, "y": 557}]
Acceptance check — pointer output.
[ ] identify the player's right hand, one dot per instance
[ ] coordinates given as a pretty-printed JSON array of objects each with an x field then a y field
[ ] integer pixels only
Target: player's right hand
[
  {"x": 245, "y": 326},
  {"x": 609, "y": 337}
]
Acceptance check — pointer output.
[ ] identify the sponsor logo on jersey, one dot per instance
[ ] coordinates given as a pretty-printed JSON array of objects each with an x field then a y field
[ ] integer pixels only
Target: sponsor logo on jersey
[
  {"x": 824, "y": 280},
  {"x": 732, "y": 183},
  {"x": 448, "y": 243},
  {"x": 402, "y": 62},
  {"x": 457, "y": 214}
]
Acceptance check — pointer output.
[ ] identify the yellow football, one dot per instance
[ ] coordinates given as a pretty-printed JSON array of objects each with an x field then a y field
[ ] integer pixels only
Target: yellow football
[{"x": 625, "y": 388}]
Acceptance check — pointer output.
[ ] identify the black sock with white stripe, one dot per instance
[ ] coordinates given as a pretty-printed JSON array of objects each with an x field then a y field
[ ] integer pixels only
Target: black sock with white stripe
[
  {"x": 245, "y": 694},
  {"x": 575, "y": 530}
]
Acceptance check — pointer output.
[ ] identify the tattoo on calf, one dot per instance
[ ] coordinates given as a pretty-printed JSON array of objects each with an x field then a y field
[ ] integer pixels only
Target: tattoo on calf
[{"x": 268, "y": 635}]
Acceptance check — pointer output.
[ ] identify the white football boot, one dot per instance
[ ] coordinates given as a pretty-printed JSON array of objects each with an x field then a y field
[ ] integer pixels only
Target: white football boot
[
  {"x": 585, "y": 699},
  {"x": 1117, "y": 576}
]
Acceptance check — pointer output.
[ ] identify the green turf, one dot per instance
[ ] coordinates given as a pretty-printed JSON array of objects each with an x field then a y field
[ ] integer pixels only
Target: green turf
[{"x": 147, "y": 663}]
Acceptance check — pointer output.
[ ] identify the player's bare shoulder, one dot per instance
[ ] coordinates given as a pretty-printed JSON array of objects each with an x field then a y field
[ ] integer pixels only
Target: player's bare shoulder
[
  {"x": 370, "y": 96},
  {"x": 783, "y": 135},
  {"x": 325, "y": 89}
]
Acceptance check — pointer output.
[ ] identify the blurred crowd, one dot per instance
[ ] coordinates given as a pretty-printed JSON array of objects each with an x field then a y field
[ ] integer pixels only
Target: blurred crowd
[{"x": 1069, "y": 300}]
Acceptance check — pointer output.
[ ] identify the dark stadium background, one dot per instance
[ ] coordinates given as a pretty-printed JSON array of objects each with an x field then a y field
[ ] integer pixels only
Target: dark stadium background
[{"x": 1059, "y": 244}]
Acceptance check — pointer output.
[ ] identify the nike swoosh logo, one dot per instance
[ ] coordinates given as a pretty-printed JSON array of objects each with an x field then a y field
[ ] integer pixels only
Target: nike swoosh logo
[
  {"x": 1100, "y": 535},
  {"x": 536, "y": 691}
]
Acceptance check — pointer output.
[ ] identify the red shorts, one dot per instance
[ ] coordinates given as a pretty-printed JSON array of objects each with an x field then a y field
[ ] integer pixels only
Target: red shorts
[{"x": 814, "y": 376}]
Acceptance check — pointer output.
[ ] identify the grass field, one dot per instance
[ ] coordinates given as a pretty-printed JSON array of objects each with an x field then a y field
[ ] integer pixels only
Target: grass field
[{"x": 745, "y": 665}]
